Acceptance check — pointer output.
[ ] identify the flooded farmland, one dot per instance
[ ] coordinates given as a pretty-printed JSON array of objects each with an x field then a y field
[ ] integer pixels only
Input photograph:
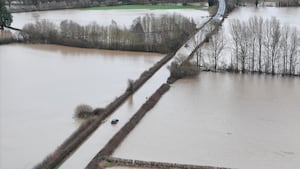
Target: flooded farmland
[
  {"x": 240, "y": 121},
  {"x": 102, "y": 17},
  {"x": 42, "y": 84},
  {"x": 226, "y": 120}
]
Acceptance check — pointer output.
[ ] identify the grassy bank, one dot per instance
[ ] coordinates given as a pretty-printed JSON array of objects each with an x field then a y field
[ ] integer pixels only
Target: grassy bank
[{"x": 151, "y": 7}]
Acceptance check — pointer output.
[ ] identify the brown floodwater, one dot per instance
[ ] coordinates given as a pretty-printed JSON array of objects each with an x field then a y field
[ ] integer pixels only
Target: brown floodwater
[
  {"x": 102, "y": 17},
  {"x": 286, "y": 15},
  {"x": 40, "y": 86},
  {"x": 228, "y": 120}
]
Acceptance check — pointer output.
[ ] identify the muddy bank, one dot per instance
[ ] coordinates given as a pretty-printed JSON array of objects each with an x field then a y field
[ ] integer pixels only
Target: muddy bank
[{"x": 128, "y": 127}]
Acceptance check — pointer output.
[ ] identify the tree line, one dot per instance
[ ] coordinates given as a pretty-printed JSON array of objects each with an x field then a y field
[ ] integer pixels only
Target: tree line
[
  {"x": 149, "y": 33},
  {"x": 256, "y": 45}
]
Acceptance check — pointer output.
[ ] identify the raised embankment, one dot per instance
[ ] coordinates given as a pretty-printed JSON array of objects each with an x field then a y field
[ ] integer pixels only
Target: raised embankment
[
  {"x": 116, "y": 140},
  {"x": 98, "y": 161},
  {"x": 182, "y": 67},
  {"x": 151, "y": 164},
  {"x": 87, "y": 128},
  {"x": 188, "y": 49}
]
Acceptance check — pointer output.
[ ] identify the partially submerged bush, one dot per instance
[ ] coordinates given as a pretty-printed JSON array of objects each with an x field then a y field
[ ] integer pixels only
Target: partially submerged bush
[
  {"x": 178, "y": 71},
  {"x": 130, "y": 84},
  {"x": 84, "y": 111}
]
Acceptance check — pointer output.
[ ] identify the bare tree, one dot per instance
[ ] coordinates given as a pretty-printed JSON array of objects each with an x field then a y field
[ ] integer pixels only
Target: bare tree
[
  {"x": 259, "y": 34},
  {"x": 294, "y": 44},
  {"x": 275, "y": 36},
  {"x": 285, "y": 47},
  {"x": 235, "y": 29},
  {"x": 267, "y": 45},
  {"x": 198, "y": 52},
  {"x": 216, "y": 45},
  {"x": 252, "y": 27},
  {"x": 244, "y": 46}
]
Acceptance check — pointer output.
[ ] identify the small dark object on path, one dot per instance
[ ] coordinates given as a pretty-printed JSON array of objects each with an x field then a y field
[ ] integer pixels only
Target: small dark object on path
[{"x": 114, "y": 121}]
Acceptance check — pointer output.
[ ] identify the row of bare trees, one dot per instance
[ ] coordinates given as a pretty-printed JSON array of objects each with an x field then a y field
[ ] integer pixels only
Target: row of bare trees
[
  {"x": 162, "y": 33},
  {"x": 256, "y": 45},
  {"x": 265, "y": 46}
]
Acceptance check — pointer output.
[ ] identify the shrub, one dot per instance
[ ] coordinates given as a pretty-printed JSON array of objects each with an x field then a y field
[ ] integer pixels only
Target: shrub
[
  {"x": 84, "y": 111},
  {"x": 130, "y": 84}
]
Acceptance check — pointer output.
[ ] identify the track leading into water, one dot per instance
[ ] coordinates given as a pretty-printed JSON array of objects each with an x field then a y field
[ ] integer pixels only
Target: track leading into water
[
  {"x": 187, "y": 50},
  {"x": 156, "y": 75}
]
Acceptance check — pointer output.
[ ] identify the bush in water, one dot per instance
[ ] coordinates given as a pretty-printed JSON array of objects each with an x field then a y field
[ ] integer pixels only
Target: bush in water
[{"x": 84, "y": 111}]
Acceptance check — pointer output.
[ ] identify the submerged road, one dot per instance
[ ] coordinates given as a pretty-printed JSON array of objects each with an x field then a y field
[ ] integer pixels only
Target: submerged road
[
  {"x": 90, "y": 144},
  {"x": 187, "y": 50}
]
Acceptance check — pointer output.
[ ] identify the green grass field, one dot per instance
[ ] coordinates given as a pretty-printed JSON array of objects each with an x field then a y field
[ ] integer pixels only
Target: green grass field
[{"x": 151, "y": 7}]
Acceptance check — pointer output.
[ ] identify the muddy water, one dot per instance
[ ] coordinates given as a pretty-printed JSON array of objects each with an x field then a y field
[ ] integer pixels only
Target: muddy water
[
  {"x": 40, "y": 85},
  {"x": 102, "y": 17},
  {"x": 229, "y": 120},
  {"x": 286, "y": 15}
]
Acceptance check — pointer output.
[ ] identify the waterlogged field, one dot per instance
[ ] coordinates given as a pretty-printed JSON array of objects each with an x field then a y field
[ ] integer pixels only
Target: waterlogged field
[
  {"x": 229, "y": 120},
  {"x": 286, "y": 15},
  {"x": 123, "y": 17},
  {"x": 226, "y": 120},
  {"x": 40, "y": 86}
]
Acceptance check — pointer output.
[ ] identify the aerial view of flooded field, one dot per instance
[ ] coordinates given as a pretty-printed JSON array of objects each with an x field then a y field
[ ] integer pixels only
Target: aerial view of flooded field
[
  {"x": 235, "y": 121},
  {"x": 214, "y": 117},
  {"x": 226, "y": 120},
  {"x": 42, "y": 84}
]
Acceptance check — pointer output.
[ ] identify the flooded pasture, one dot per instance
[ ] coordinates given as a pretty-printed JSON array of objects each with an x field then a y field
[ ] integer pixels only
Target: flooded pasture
[
  {"x": 102, "y": 17},
  {"x": 286, "y": 15},
  {"x": 230, "y": 120},
  {"x": 40, "y": 86},
  {"x": 226, "y": 120}
]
